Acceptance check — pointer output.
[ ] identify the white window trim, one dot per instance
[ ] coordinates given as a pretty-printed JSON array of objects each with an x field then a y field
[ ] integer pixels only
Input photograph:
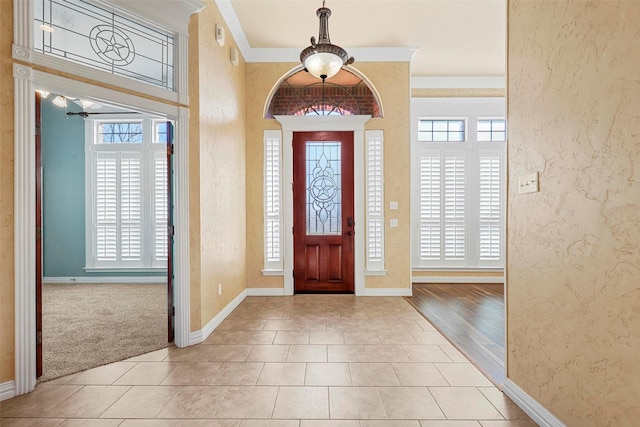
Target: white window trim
[
  {"x": 375, "y": 184},
  {"x": 148, "y": 149},
  {"x": 273, "y": 267}
]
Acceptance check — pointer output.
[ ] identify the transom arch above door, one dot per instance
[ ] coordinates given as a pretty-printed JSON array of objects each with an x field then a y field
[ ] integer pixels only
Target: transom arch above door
[{"x": 348, "y": 93}]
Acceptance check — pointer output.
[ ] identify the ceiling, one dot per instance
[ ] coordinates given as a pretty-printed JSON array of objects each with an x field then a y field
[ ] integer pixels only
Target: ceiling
[{"x": 442, "y": 38}]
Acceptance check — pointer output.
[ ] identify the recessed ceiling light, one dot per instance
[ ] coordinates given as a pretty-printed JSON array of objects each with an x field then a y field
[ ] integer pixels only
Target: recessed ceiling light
[
  {"x": 60, "y": 101},
  {"x": 46, "y": 28}
]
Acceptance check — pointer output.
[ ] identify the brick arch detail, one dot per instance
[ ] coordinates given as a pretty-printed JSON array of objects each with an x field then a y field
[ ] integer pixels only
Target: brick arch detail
[{"x": 362, "y": 99}]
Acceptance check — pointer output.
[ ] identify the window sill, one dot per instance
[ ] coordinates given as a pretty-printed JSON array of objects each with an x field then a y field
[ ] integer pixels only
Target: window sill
[
  {"x": 445, "y": 268},
  {"x": 125, "y": 270},
  {"x": 273, "y": 272},
  {"x": 375, "y": 272}
]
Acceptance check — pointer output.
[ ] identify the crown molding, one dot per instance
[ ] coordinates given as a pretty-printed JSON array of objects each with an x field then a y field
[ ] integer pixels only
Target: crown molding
[
  {"x": 458, "y": 82},
  {"x": 171, "y": 14}
]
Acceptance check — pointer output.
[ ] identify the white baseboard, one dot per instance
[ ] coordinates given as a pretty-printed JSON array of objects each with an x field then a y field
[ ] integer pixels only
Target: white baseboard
[
  {"x": 528, "y": 404},
  {"x": 265, "y": 292},
  {"x": 457, "y": 279},
  {"x": 105, "y": 279},
  {"x": 197, "y": 337},
  {"x": 387, "y": 292},
  {"x": 7, "y": 390}
]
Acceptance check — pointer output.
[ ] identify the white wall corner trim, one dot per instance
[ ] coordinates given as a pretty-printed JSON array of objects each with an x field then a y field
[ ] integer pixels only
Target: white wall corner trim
[
  {"x": 197, "y": 337},
  {"x": 457, "y": 279},
  {"x": 265, "y": 292},
  {"x": 528, "y": 404},
  {"x": 387, "y": 292},
  {"x": 7, "y": 390}
]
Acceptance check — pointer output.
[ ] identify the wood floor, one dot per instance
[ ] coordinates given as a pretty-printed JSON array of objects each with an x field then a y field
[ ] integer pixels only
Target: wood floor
[{"x": 471, "y": 316}]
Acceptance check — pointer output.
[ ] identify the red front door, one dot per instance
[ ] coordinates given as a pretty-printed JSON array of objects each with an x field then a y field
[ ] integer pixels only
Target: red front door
[{"x": 323, "y": 217}]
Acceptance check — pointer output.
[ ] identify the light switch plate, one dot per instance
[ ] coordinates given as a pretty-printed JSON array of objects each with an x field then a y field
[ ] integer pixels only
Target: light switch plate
[
  {"x": 528, "y": 183},
  {"x": 393, "y": 223},
  {"x": 393, "y": 206},
  {"x": 219, "y": 35}
]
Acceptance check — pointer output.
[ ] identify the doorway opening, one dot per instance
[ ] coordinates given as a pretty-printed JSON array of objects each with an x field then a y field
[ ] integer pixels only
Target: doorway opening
[{"x": 104, "y": 204}]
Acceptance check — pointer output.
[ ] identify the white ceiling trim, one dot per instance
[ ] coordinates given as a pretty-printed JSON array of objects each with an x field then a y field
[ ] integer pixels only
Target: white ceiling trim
[
  {"x": 362, "y": 54},
  {"x": 231, "y": 19},
  {"x": 458, "y": 82}
]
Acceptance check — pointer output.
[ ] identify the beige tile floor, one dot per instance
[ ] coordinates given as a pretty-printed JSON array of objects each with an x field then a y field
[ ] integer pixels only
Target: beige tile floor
[{"x": 302, "y": 361}]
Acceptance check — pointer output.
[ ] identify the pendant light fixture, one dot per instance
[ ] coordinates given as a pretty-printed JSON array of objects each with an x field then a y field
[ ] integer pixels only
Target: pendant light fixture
[{"x": 323, "y": 59}]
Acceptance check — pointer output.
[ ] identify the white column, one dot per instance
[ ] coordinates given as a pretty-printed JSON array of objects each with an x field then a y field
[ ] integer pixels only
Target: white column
[
  {"x": 182, "y": 68},
  {"x": 24, "y": 229},
  {"x": 181, "y": 224},
  {"x": 22, "y": 30}
]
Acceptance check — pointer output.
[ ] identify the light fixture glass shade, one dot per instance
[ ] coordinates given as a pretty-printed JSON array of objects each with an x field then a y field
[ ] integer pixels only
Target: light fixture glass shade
[
  {"x": 323, "y": 64},
  {"x": 43, "y": 93}
]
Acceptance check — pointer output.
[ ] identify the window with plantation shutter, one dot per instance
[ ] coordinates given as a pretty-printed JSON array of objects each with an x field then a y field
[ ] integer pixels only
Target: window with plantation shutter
[
  {"x": 458, "y": 203},
  {"x": 273, "y": 260},
  {"x": 375, "y": 201},
  {"x": 126, "y": 196}
]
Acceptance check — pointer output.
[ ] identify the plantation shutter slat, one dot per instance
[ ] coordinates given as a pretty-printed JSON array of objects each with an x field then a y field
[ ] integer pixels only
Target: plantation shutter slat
[
  {"x": 454, "y": 194},
  {"x": 131, "y": 207},
  {"x": 375, "y": 201},
  {"x": 106, "y": 206},
  {"x": 160, "y": 208},
  {"x": 490, "y": 206},
  {"x": 430, "y": 210},
  {"x": 272, "y": 201}
]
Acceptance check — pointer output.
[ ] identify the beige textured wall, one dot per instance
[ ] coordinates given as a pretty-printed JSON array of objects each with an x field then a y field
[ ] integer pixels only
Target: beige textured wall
[
  {"x": 217, "y": 170},
  {"x": 7, "y": 325},
  {"x": 392, "y": 82},
  {"x": 574, "y": 247},
  {"x": 260, "y": 77}
]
